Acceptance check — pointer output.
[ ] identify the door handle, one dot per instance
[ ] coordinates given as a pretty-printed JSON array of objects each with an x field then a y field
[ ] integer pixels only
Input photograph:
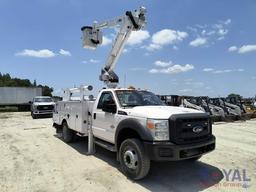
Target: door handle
[{"x": 94, "y": 115}]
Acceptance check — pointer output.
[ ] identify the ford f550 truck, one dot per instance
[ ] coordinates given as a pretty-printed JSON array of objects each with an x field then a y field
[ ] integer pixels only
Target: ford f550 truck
[
  {"x": 137, "y": 126},
  {"x": 133, "y": 123}
]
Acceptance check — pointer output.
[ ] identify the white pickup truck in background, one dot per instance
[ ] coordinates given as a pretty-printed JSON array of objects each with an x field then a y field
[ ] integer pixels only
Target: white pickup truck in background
[
  {"x": 42, "y": 106},
  {"x": 136, "y": 125}
]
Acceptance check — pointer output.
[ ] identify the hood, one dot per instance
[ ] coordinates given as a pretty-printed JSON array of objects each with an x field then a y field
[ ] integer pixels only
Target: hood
[
  {"x": 158, "y": 112},
  {"x": 43, "y": 103}
]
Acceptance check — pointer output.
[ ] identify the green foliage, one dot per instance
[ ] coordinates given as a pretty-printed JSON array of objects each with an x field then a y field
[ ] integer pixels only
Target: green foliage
[
  {"x": 7, "y": 81},
  {"x": 57, "y": 98},
  {"x": 7, "y": 109},
  {"x": 47, "y": 91},
  {"x": 34, "y": 84},
  {"x": 235, "y": 95}
]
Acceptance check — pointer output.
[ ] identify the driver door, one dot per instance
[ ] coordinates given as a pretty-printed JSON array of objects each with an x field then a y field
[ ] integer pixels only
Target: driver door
[{"x": 104, "y": 123}]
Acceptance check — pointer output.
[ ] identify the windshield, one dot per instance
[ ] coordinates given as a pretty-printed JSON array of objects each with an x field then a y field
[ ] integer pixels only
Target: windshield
[
  {"x": 132, "y": 98},
  {"x": 42, "y": 100}
]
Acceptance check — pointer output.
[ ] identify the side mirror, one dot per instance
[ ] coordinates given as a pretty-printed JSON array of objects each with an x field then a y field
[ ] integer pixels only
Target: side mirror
[
  {"x": 109, "y": 107},
  {"x": 30, "y": 102}
]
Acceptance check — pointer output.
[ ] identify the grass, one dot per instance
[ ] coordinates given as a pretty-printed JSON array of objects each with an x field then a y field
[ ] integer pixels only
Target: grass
[{"x": 8, "y": 109}]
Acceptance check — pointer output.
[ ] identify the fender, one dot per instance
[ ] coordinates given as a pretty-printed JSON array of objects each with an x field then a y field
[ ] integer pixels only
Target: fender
[{"x": 133, "y": 124}]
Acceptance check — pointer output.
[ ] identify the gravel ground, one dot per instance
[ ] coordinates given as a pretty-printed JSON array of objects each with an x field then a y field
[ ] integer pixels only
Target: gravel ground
[{"x": 33, "y": 159}]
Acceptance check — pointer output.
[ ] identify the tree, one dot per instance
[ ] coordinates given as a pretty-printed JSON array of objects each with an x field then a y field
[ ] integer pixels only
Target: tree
[
  {"x": 7, "y": 81},
  {"x": 34, "y": 83},
  {"x": 46, "y": 91},
  {"x": 235, "y": 95}
]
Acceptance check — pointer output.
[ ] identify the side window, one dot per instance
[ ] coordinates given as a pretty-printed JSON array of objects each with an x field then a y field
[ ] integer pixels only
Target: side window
[{"x": 105, "y": 97}]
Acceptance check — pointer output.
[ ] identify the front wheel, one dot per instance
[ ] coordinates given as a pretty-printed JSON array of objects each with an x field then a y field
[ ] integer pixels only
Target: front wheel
[
  {"x": 33, "y": 115},
  {"x": 134, "y": 162}
]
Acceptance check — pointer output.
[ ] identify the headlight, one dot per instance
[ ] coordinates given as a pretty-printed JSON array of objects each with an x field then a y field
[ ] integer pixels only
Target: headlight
[{"x": 159, "y": 129}]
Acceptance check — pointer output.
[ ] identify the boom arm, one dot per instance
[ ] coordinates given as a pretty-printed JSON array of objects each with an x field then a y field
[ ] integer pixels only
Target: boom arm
[{"x": 131, "y": 21}]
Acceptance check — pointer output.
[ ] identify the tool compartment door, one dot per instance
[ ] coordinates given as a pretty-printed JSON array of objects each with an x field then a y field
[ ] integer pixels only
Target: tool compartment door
[{"x": 81, "y": 117}]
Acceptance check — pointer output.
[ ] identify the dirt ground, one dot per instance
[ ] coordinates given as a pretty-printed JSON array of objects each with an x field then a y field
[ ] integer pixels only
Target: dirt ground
[{"x": 33, "y": 159}]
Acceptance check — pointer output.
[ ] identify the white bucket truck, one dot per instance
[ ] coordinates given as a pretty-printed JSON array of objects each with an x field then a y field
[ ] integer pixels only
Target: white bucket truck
[{"x": 133, "y": 123}]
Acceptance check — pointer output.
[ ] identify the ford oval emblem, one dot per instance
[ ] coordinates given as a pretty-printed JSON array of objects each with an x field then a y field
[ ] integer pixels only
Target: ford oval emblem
[{"x": 197, "y": 129}]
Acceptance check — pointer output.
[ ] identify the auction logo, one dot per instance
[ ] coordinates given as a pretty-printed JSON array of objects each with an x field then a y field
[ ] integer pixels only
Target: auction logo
[{"x": 231, "y": 178}]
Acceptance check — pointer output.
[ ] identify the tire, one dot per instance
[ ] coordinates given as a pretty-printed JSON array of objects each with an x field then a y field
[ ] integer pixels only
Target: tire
[
  {"x": 33, "y": 115},
  {"x": 134, "y": 162},
  {"x": 195, "y": 158},
  {"x": 67, "y": 133}
]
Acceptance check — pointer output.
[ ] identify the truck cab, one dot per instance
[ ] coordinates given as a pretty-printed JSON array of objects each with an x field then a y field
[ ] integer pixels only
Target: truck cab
[
  {"x": 42, "y": 106},
  {"x": 143, "y": 113},
  {"x": 140, "y": 127}
]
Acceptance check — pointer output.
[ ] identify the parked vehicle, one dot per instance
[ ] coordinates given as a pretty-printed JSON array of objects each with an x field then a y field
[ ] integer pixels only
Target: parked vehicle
[
  {"x": 199, "y": 103},
  {"x": 135, "y": 124},
  {"x": 42, "y": 106},
  {"x": 138, "y": 126},
  {"x": 232, "y": 112}
]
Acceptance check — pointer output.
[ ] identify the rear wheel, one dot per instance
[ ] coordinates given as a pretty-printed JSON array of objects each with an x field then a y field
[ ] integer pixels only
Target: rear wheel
[
  {"x": 135, "y": 164},
  {"x": 67, "y": 133}
]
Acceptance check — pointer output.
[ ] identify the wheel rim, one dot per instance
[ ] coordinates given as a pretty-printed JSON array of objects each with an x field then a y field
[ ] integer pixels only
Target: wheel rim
[{"x": 131, "y": 159}]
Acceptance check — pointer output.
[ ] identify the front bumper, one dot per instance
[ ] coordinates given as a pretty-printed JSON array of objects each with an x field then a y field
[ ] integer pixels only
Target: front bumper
[
  {"x": 42, "y": 112},
  {"x": 167, "y": 151}
]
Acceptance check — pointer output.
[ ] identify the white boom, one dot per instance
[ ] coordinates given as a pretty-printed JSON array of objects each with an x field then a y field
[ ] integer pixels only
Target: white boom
[{"x": 92, "y": 37}]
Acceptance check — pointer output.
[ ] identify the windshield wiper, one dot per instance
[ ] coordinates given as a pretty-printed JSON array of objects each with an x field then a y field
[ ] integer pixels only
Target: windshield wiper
[{"x": 131, "y": 105}]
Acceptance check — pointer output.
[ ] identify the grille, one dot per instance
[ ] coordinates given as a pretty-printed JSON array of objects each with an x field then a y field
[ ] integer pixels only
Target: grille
[
  {"x": 45, "y": 107},
  {"x": 183, "y": 129}
]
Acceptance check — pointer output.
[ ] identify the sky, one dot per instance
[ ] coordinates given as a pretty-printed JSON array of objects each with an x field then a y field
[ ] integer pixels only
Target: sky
[{"x": 187, "y": 47}]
